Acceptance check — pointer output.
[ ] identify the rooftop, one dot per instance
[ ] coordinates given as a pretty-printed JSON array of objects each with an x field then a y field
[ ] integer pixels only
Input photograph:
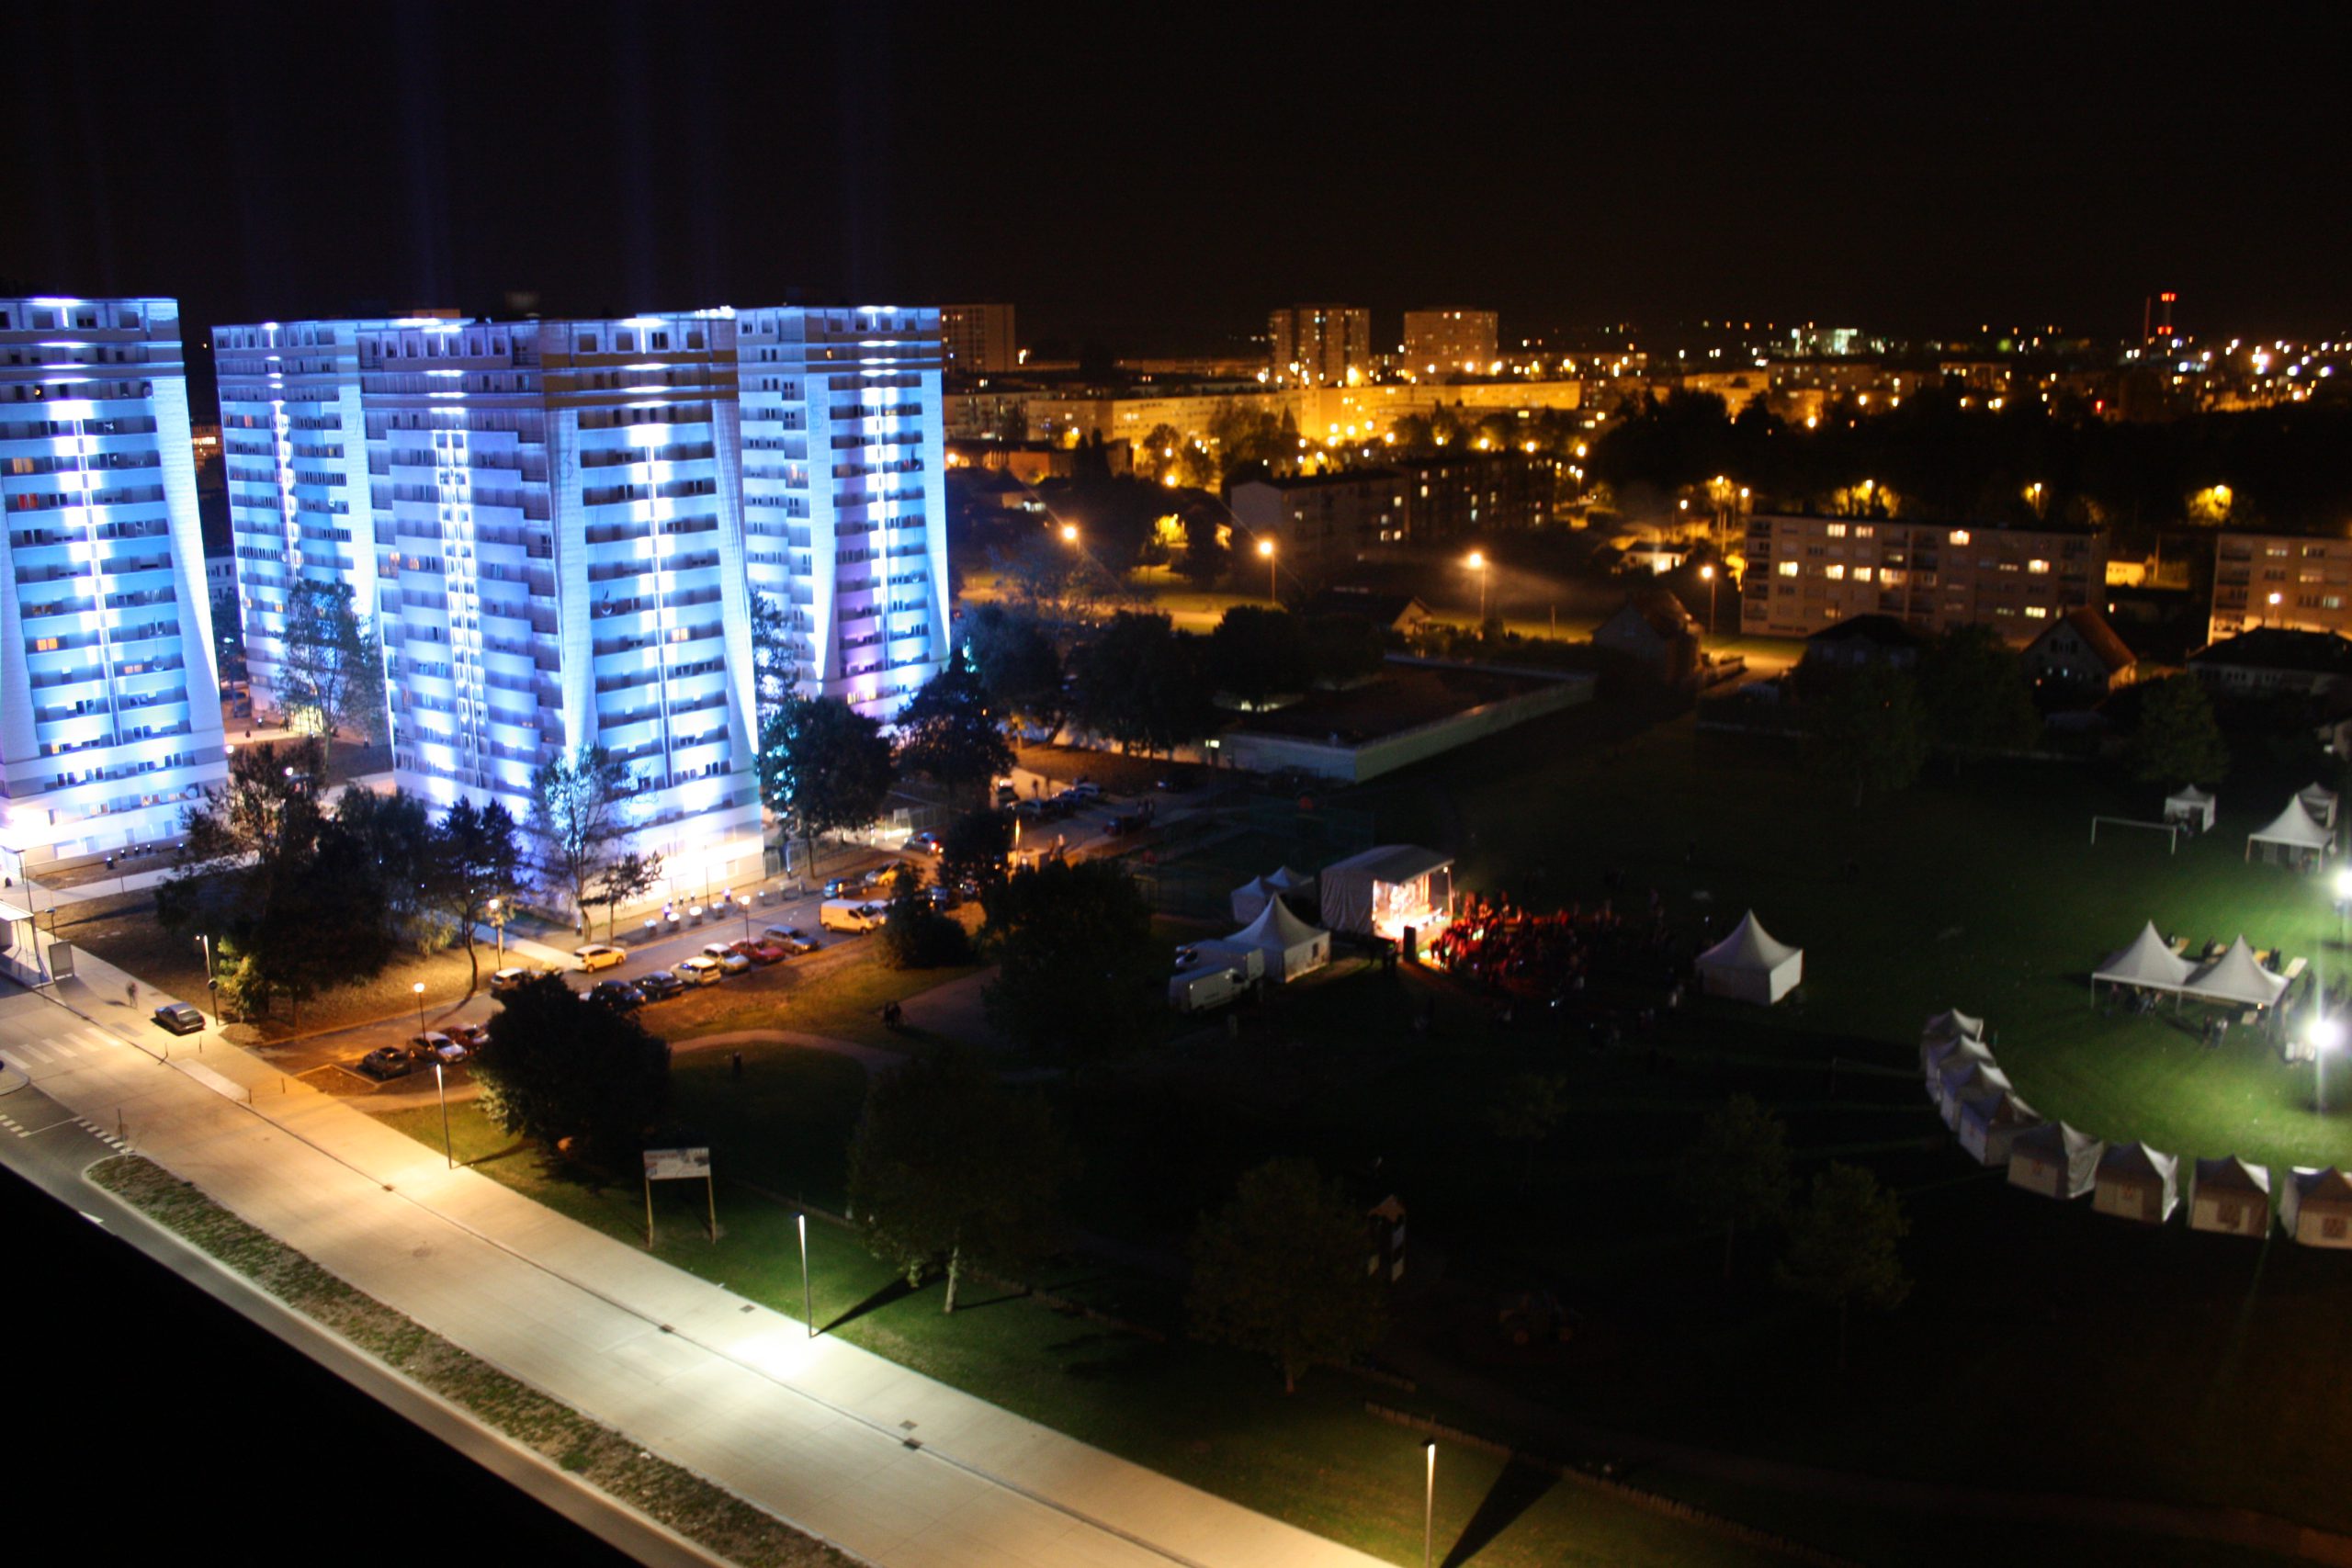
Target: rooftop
[
  {"x": 1404, "y": 697},
  {"x": 2275, "y": 648}
]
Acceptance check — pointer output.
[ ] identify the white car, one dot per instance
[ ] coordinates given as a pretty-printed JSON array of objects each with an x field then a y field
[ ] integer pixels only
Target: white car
[
  {"x": 598, "y": 956},
  {"x": 722, "y": 951},
  {"x": 699, "y": 971},
  {"x": 734, "y": 963}
]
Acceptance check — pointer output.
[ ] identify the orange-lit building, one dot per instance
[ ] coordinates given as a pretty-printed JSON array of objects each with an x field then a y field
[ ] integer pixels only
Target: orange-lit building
[{"x": 1805, "y": 572}]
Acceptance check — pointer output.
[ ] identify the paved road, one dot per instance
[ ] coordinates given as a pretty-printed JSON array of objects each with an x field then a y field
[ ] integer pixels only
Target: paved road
[{"x": 894, "y": 1466}]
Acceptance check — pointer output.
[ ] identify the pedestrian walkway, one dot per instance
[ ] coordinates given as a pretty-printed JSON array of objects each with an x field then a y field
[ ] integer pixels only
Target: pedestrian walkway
[{"x": 891, "y": 1465}]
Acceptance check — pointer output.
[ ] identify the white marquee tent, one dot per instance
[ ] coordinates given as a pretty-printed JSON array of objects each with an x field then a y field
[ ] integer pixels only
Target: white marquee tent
[
  {"x": 2054, "y": 1160},
  {"x": 2236, "y": 977},
  {"x": 2149, "y": 963},
  {"x": 1989, "y": 1124},
  {"x": 2136, "y": 1182},
  {"x": 2189, "y": 804},
  {"x": 1250, "y": 898},
  {"x": 1936, "y": 1055},
  {"x": 1964, "y": 1078},
  {"x": 1386, "y": 888},
  {"x": 1292, "y": 946},
  {"x": 2230, "y": 1196},
  {"x": 2291, "y": 833},
  {"x": 2316, "y": 1207},
  {"x": 1750, "y": 965},
  {"x": 2320, "y": 803},
  {"x": 1227, "y": 953}
]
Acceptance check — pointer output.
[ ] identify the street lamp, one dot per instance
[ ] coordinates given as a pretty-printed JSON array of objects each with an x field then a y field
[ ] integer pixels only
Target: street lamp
[
  {"x": 1707, "y": 575},
  {"x": 419, "y": 989},
  {"x": 449, "y": 1149},
  {"x": 2274, "y": 606},
  {"x": 1070, "y": 532},
  {"x": 1429, "y": 1508},
  {"x": 808, "y": 1312},
  {"x": 498, "y": 924},
  {"x": 211, "y": 984},
  {"x": 1266, "y": 549},
  {"x": 1477, "y": 563},
  {"x": 2325, "y": 1035}
]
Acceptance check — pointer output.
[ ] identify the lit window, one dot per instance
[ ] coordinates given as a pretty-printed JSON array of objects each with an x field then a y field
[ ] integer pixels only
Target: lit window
[
  {"x": 1864, "y": 530},
  {"x": 1835, "y": 573},
  {"x": 2035, "y": 612},
  {"x": 1790, "y": 568},
  {"x": 45, "y": 645},
  {"x": 2037, "y": 567},
  {"x": 1836, "y": 530},
  {"x": 1861, "y": 574},
  {"x": 1960, "y": 536}
]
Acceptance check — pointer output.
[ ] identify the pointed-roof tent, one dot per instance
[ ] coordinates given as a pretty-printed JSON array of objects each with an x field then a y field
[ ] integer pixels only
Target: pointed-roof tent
[
  {"x": 2136, "y": 1182},
  {"x": 2149, "y": 962},
  {"x": 2236, "y": 977},
  {"x": 2231, "y": 1197},
  {"x": 1750, "y": 964},
  {"x": 1952, "y": 1023},
  {"x": 1989, "y": 1125},
  {"x": 2054, "y": 1160},
  {"x": 2316, "y": 1207},
  {"x": 1281, "y": 876},
  {"x": 2293, "y": 829},
  {"x": 2189, "y": 804},
  {"x": 2320, "y": 803},
  {"x": 1292, "y": 946}
]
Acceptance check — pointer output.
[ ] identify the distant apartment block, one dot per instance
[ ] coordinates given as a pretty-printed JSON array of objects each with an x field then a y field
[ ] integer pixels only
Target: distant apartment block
[
  {"x": 1806, "y": 572},
  {"x": 109, "y": 695},
  {"x": 1321, "y": 523},
  {"x": 1452, "y": 495},
  {"x": 2296, "y": 581},
  {"x": 1449, "y": 342},
  {"x": 560, "y": 527},
  {"x": 977, "y": 339},
  {"x": 1319, "y": 345}
]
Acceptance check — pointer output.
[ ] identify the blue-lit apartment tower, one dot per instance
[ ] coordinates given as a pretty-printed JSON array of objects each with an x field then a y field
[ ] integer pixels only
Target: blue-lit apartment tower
[
  {"x": 294, "y": 446},
  {"x": 109, "y": 699},
  {"x": 845, "y": 497}
]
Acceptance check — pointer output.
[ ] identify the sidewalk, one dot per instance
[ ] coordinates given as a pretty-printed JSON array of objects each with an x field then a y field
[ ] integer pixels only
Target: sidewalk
[{"x": 890, "y": 1465}]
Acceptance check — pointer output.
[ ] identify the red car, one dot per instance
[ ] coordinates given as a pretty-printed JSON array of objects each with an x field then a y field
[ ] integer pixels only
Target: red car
[{"x": 760, "y": 951}]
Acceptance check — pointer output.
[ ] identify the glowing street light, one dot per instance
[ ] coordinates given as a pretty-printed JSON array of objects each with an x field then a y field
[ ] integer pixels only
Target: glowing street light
[
  {"x": 1070, "y": 532},
  {"x": 419, "y": 989},
  {"x": 1707, "y": 575},
  {"x": 498, "y": 924},
  {"x": 1429, "y": 1508},
  {"x": 1476, "y": 562},
  {"x": 1266, "y": 550}
]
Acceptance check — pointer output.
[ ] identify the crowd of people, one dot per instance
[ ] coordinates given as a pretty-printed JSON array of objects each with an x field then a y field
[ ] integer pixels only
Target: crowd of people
[{"x": 1498, "y": 945}]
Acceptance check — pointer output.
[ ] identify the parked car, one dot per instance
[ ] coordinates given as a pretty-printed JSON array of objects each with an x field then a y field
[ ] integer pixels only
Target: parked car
[
  {"x": 849, "y": 915},
  {"x": 699, "y": 971},
  {"x": 792, "y": 938},
  {"x": 1187, "y": 956},
  {"x": 923, "y": 843},
  {"x": 388, "y": 1062},
  {"x": 504, "y": 980},
  {"x": 735, "y": 964},
  {"x": 763, "y": 949},
  {"x": 470, "y": 1035},
  {"x": 660, "y": 986},
  {"x": 1085, "y": 789},
  {"x": 598, "y": 956},
  {"x": 1005, "y": 793},
  {"x": 179, "y": 1018},
  {"x": 942, "y": 899},
  {"x": 879, "y": 877},
  {"x": 842, "y": 886},
  {"x": 434, "y": 1046},
  {"x": 617, "y": 993},
  {"x": 718, "y": 950}
]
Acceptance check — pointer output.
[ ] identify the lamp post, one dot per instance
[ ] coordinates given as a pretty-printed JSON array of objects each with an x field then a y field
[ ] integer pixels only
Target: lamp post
[
  {"x": 1266, "y": 550},
  {"x": 448, "y": 1150},
  {"x": 2274, "y": 609},
  {"x": 1707, "y": 573},
  {"x": 498, "y": 924},
  {"x": 1429, "y": 1508},
  {"x": 1477, "y": 563},
  {"x": 419, "y": 989},
  {"x": 808, "y": 1312},
  {"x": 210, "y": 983}
]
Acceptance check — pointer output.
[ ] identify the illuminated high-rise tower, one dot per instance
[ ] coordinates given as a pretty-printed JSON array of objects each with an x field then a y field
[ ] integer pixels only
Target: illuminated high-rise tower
[{"x": 109, "y": 697}]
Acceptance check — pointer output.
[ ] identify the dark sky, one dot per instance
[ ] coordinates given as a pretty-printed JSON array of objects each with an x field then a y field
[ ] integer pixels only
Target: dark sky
[{"x": 1157, "y": 176}]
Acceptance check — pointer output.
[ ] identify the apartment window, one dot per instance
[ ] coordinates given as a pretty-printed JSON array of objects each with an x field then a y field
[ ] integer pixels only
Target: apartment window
[
  {"x": 1836, "y": 530},
  {"x": 1864, "y": 530},
  {"x": 1861, "y": 574},
  {"x": 46, "y": 645},
  {"x": 1790, "y": 568},
  {"x": 2037, "y": 567},
  {"x": 1960, "y": 536},
  {"x": 1835, "y": 573},
  {"x": 2036, "y": 612}
]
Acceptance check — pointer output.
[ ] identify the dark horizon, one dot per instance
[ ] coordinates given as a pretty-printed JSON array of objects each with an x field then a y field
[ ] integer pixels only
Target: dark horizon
[{"x": 1157, "y": 188}]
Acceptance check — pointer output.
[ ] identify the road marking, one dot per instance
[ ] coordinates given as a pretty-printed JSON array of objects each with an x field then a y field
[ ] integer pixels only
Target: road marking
[
  {"x": 38, "y": 1053},
  {"x": 102, "y": 1134},
  {"x": 16, "y": 1064}
]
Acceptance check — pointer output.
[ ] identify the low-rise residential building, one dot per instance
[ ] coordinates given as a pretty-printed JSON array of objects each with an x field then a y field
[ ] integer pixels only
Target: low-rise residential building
[
  {"x": 1653, "y": 630},
  {"x": 2301, "y": 581},
  {"x": 1862, "y": 640},
  {"x": 2275, "y": 661},
  {"x": 1321, "y": 523},
  {"x": 1805, "y": 572},
  {"x": 2081, "y": 651}
]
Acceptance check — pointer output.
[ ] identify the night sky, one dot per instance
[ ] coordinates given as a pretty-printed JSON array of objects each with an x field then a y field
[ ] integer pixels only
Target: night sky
[{"x": 1155, "y": 177}]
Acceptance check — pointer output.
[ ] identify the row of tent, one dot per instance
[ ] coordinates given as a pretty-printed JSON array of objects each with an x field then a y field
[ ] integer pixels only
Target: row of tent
[
  {"x": 2129, "y": 1181},
  {"x": 2318, "y": 805},
  {"x": 2149, "y": 963},
  {"x": 2307, "y": 826}
]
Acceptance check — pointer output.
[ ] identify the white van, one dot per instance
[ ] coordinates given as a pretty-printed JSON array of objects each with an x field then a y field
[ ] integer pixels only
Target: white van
[
  {"x": 1197, "y": 990},
  {"x": 849, "y": 915}
]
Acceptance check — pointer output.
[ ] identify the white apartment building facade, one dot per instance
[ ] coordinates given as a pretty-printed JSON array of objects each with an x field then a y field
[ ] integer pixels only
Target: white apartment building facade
[{"x": 109, "y": 694}]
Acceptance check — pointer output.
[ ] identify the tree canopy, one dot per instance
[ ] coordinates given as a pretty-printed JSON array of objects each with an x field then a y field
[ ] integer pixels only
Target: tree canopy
[
  {"x": 951, "y": 733},
  {"x": 1975, "y": 693},
  {"x": 1871, "y": 729},
  {"x": 824, "y": 767},
  {"x": 2178, "y": 741},
  {"x": 948, "y": 1167},
  {"x": 576, "y": 820},
  {"x": 1841, "y": 1246},
  {"x": 1139, "y": 682},
  {"x": 331, "y": 672},
  {"x": 572, "y": 1074},
  {"x": 1077, "y": 974},
  {"x": 1279, "y": 1271},
  {"x": 1018, "y": 664},
  {"x": 1257, "y": 653},
  {"x": 1736, "y": 1174}
]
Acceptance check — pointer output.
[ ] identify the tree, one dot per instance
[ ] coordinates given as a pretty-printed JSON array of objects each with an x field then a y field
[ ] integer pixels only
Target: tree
[
  {"x": 1207, "y": 557},
  {"x": 405, "y": 849},
  {"x": 1256, "y": 654},
  {"x": 1077, "y": 974},
  {"x": 576, "y": 819},
  {"x": 915, "y": 934},
  {"x": 824, "y": 767},
  {"x": 1280, "y": 1271},
  {"x": 1871, "y": 730},
  {"x": 948, "y": 732},
  {"x": 1160, "y": 453},
  {"x": 949, "y": 1168},
  {"x": 1841, "y": 1247},
  {"x": 1973, "y": 687},
  {"x": 229, "y": 636},
  {"x": 1532, "y": 1107},
  {"x": 1737, "y": 1172},
  {"x": 1140, "y": 682},
  {"x": 2178, "y": 740},
  {"x": 1341, "y": 648},
  {"x": 627, "y": 876},
  {"x": 331, "y": 672},
  {"x": 975, "y": 847},
  {"x": 775, "y": 666},
  {"x": 574, "y": 1075},
  {"x": 1018, "y": 664},
  {"x": 476, "y": 858}
]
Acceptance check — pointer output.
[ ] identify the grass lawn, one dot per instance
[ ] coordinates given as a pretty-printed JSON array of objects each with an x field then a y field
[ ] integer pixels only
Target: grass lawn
[
  {"x": 1214, "y": 1420},
  {"x": 837, "y": 991}
]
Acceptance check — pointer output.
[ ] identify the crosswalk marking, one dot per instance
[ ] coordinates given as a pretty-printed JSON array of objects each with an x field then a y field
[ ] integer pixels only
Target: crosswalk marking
[
  {"x": 38, "y": 1053},
  {"x": 101, "y": 1135},
  {"x": 16, "y": 1064}
]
